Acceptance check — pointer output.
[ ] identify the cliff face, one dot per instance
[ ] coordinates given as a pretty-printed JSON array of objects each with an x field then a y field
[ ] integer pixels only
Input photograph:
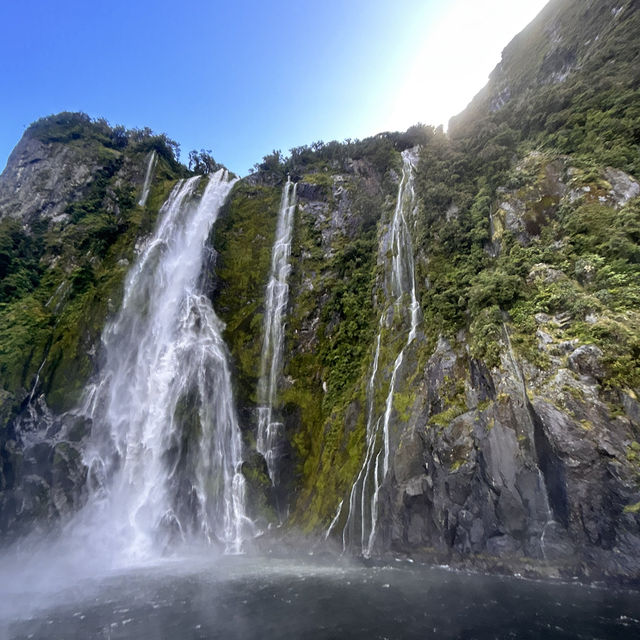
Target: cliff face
[
  {"x": 533, "y": 467},
  {"x": 329, "y": 319},
  {"x": 462, "y": 341},
  {"x": 513, "y": 440},
  {"x": 585, "y": 47},
  {"x": 42, "y": 178},
  {"x": 513, "y": 415}
]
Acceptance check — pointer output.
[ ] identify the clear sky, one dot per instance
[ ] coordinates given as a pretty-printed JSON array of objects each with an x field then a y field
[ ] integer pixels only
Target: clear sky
[{"x": 245, "y": 77}]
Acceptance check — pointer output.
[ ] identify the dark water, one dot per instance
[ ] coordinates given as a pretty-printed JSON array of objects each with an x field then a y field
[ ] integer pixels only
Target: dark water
[{"x": 267, "y": 598}]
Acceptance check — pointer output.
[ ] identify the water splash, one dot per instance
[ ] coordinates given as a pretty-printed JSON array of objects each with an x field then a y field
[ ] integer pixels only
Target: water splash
[
  {"x": 151, "y": 165},
  {"x": 166, "y": 447},
  {"x": 400, "y": 288},
  {"x": 270, "y": 433}
]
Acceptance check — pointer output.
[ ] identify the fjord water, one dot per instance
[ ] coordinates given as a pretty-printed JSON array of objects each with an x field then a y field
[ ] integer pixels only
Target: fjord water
[
  {"x": 268, "y": 598},
  {"x": 275, "y": 306},
  {"x": 396, "y": 253},
  {"x": 165, "y": 449}
]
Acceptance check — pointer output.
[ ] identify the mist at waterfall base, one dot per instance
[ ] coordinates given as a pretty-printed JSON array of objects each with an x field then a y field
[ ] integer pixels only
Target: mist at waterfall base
[{"x": 270, "y": 597}]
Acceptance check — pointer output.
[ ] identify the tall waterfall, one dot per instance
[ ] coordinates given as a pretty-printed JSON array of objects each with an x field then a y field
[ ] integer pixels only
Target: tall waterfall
[
  {"x": 362, "y": 520},
  {"x": 166, "y": 446},
  {"x": 151, "y": 165},
  {"x": 277, "y": 294}
]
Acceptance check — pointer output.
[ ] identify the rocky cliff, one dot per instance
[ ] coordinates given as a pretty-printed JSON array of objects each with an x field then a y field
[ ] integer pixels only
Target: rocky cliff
[
  {"x": 498, "y": 427},
  {"x": 514, "y": 415},
  {"x": 514, "y": 420}
]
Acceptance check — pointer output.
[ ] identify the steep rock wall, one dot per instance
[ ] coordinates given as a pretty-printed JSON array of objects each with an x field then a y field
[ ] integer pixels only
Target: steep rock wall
[
  {"x": 514, "y": 423},
  {"x": 328, "y": 321}
]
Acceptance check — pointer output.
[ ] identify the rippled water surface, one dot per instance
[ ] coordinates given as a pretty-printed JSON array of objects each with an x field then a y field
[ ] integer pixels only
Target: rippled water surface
[{"x": 264, "y": 598}]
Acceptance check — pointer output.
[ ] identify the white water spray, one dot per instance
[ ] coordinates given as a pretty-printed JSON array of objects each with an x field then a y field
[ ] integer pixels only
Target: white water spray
[
  {"x": 166, "y": 447},
  {"x": 151, "y": 165},
  {"x": 401, "y": 289},
  {"x": 277, "y": 295}
]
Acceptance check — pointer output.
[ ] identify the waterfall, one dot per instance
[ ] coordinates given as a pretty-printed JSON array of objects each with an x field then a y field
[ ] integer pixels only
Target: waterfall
[
  {"x": 276, "y": 297},
  {"x": 151, "y": 165},
  {"x": 334, "y": 522},
  {"x": 166, "y": 447},
  {"x": 400, "y": 286}
]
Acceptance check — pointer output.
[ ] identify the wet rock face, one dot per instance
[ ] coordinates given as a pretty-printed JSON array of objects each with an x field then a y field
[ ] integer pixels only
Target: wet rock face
[
  {"x": 529, "y": 476},
  {"x": 260, "y": 493},
  {"x": 309, "y": 191},
  {"x": 43, "y": 473}
]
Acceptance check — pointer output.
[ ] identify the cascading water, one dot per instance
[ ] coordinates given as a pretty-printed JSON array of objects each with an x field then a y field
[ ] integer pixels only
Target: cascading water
[
  {"x": 151, "y": 165},
  {"x": 166, "y": 446},
  {"x": 276, "y": 298},
  {"x": 400, "y": 285}
]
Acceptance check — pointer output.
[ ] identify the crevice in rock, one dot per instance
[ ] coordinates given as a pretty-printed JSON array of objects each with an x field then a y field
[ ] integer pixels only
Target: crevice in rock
[
  {"x": 550, "y": 465},
  {"x": 552, "y": 469}
]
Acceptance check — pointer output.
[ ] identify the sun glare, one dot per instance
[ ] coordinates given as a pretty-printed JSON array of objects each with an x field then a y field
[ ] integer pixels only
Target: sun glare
[{"x": 459, "y": 52}]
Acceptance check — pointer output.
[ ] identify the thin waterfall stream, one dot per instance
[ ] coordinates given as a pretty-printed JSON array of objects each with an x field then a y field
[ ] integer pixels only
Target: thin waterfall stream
[
  {"x": 148, "y": 176},
  {"x": 401, "y": 289},
  {"x": 276, "y": 297}
]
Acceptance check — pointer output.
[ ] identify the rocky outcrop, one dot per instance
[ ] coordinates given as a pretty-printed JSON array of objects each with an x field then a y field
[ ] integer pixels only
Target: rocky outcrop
[
  {"x": 42, "y": 179},
  {"x": 536, "y": 473},
  {"x": 549, "y": 184},
  {"x": 43, "y": 475}
]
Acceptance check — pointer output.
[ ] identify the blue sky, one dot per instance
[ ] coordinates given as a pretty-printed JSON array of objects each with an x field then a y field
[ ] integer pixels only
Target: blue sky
[{"x": 244, "y": 78}]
